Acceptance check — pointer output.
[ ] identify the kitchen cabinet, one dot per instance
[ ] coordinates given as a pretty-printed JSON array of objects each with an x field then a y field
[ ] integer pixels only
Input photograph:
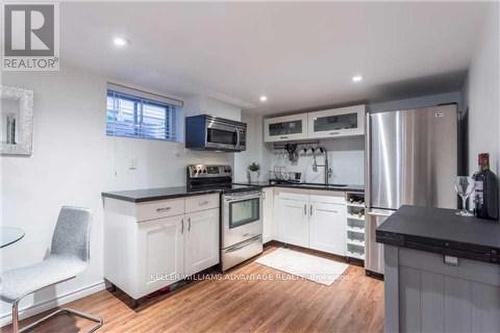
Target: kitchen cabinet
[
  {"x": 313, "y": 221},
  {"x": 338, "y": 122},
  {"x": 327, "y": 226},
  {"x": 331, "y": 123},
  {"x": 202, "y": 240},
  {"x": 148, "y": 246},
  {"x": 293, "y": 227},
  {"x": 160, "y": 245},
  {"x": 285, "y": 128},
  {"x": 268, "y": 226}
]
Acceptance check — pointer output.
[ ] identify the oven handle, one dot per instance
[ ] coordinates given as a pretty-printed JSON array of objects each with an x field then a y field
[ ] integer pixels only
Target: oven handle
[{"x": 233, "y": 198}]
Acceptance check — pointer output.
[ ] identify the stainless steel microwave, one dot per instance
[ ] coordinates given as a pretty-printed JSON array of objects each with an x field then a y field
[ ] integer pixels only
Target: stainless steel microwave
[{"x": 205, "y": 132}]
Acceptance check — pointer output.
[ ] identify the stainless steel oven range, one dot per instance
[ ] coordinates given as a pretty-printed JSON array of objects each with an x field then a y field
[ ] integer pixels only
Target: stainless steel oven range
[
  {"x": 241, "y": 212},
  {"x": 241, "y": 227}
]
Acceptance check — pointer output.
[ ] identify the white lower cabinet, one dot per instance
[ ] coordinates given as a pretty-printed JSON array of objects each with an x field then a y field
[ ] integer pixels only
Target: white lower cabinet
[
  {"x": 142, "y": 256},
  {"x": 328, "y": 227},
  {"x": 293, "y": 227},
  {"x": 268, "y": 226},
  {"x": 160, "y": 247},
  {"x": 313, "y": 221},
  {"x": 202, "y": 241}
]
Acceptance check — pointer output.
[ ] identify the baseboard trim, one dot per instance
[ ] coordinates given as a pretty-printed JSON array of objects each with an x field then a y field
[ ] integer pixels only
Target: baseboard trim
[{"x": 71, "y": 296}]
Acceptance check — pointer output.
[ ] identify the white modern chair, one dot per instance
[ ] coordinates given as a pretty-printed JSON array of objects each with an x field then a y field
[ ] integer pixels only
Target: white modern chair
[{"x": 69, "y": 256}]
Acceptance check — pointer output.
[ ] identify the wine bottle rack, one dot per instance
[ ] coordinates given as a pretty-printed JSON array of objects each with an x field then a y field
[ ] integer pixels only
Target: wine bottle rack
[{"x": 355, "y": 225}]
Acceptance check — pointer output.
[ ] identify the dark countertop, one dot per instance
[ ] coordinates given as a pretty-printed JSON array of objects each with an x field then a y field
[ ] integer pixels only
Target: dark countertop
[
  {"x": 441, "y": 231},
  {"x": 152, "y": 194},
  {"x": 309, "y": 186}
]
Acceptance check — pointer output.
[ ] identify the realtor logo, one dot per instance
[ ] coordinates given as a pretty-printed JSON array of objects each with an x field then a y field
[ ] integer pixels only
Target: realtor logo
[{"x": 31, "y": 37}]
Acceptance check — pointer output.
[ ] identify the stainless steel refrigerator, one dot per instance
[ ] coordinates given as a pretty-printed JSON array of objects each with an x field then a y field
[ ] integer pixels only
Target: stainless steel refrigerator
[{"x": 411, "y": 158}]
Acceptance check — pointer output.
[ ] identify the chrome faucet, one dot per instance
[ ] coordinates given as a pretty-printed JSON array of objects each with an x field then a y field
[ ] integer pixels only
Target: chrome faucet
[{"x": 328, "y": 170}]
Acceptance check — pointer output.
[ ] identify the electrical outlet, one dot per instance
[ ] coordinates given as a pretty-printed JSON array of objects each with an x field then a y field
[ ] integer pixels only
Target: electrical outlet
[{"x": 132, "y": 163}]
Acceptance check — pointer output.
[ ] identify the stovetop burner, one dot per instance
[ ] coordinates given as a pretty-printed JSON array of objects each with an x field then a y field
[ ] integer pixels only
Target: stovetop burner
[
  {"x": 201, "y": 177},
  {"x": 225, "y": 188}
]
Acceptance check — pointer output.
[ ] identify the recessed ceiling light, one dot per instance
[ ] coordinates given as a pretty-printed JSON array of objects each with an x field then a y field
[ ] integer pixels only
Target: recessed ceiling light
[
  {"x": 263, "y": 98},
  {"x": 120, "y": 41},
  {"x": 357, "y": 78}
]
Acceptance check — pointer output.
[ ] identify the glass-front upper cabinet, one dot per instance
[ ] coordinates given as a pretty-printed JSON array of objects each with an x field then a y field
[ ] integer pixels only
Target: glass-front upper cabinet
[
  {"x": 339, "y": 122},
  {"x": 285, "y": 128}
]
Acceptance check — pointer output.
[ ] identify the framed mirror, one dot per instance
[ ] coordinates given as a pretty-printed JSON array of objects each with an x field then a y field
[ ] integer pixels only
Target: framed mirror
[{"x": 16, "y": 121}]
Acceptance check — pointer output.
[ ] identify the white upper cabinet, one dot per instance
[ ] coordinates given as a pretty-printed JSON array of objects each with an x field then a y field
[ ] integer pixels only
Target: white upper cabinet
[
  {"x": 285, "y": 128},
  {"x": 346, "y": 121},
  {"x": 330, "y": 123}
]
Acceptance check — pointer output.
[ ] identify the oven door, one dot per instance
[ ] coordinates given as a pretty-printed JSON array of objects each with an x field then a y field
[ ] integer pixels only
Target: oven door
[
  {"x": 222, "y": 136},
  {"x": 242, "y": 217}
]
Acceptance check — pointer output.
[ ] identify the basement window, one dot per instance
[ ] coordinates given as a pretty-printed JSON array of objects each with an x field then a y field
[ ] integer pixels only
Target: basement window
[{"x": 137, "y": 114}]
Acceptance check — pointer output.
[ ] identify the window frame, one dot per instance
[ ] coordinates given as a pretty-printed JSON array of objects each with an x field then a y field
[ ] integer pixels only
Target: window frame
[{"x": 170, "y": 124}]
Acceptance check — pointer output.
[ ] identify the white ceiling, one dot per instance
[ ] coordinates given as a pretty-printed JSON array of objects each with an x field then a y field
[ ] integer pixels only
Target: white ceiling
[{"x": 300, "y": 55}]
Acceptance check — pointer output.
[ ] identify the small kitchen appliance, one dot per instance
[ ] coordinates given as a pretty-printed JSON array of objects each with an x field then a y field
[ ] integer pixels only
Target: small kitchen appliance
[{"x": 205, "y": 132}]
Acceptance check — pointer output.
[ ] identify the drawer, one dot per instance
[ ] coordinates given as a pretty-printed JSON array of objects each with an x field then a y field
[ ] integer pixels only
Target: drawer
[
  {"x": 158, "y": 209},
  {"x": 202, "y": 202},
  {"x": 329, "y": 198}
]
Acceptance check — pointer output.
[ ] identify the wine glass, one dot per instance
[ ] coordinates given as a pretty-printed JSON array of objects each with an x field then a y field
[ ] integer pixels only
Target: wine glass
[{"x": 464, "y": 186}]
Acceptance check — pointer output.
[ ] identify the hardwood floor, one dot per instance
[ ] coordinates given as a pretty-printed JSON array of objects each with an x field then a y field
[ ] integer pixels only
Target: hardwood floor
[{"x": 354, "y": 303}]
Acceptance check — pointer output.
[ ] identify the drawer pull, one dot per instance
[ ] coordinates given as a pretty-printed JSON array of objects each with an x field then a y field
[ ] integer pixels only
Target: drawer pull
[
  {"x": 203, "y": 203},
  {"x": 163, "y": 209},
  {"x": 334, "y": 133}
]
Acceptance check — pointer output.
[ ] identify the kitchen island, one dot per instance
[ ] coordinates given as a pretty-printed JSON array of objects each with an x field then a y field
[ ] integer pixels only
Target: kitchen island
[{"x": 442, "y": 271}]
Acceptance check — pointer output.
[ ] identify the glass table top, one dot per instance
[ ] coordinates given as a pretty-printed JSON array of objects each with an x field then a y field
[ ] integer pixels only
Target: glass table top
[{"x": 10, "y": 235}]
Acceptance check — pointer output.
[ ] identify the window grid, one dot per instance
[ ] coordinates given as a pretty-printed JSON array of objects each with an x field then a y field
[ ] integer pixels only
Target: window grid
[{"x": 130, "y": 116}]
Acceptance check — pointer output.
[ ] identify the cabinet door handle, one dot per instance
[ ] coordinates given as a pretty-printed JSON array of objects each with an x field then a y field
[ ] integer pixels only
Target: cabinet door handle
[
  {"x": 189, "y": 224},
  {"x": 203, "y": 203},
  {"x": 305, "y": 209},
  {"x": 311, "y": 210},
  {"x": 182, "y": 226},
  {"x": 163, "y": 209}
]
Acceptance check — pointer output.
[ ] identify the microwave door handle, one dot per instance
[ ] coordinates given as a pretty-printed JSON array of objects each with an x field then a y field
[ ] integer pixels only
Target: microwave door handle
[{"x": 237, "y": 138}]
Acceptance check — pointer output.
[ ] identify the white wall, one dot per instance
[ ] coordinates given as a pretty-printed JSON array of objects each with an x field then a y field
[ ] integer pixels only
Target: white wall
[
  {"x": 345, "y": 158},
  {"x": 482, "y": 94},
  {"x": 255, "y": 151},
  {"x": 209, "y": 105},
  {"x": 73, "y": 161},
  {"x": 418, "y": 102}
]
